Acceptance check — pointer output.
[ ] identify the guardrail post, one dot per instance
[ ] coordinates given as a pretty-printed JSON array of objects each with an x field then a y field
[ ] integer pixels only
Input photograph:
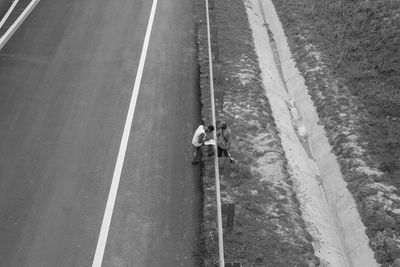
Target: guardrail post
[
  {"x": 212, "y": 4},
  {"x": 232, "y": 264},
  {"x": 215, "y": 52},
  {"x": 217, "y": 73},
  {"x": 214, "y": 34},
  {"x": 229, "y": 210},
  {"x": 213, "y": 16},
  {"x": 219, "y": 99}
]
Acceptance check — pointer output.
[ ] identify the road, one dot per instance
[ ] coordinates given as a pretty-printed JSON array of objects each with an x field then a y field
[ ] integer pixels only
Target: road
[
  {"x": 66, "y": 79},
  {"x": 4, "y": 5}
]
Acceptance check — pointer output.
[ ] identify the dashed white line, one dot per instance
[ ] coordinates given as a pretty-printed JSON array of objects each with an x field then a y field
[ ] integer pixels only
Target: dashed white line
[{"x": 105, "y": 226}]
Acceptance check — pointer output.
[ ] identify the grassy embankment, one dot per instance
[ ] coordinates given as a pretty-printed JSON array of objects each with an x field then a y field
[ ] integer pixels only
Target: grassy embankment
[{"x": 355, "y": 83}]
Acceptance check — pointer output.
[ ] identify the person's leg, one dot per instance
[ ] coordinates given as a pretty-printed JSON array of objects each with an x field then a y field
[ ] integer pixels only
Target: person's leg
[
  {"x": 210, "y": 151},
  {"x": 219, "y": 151},
  {"x": 197, "y": 155}
]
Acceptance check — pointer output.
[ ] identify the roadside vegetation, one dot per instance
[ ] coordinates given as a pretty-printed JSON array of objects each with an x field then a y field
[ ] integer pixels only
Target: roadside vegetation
[
  {"x": 360, "y": 40},
  {"x": 268, "y": 229},
  {"x": 349, "y": 54}
]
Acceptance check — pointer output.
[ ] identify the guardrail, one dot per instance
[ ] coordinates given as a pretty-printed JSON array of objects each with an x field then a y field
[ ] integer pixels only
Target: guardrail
[{"x": 216, "y": 168}]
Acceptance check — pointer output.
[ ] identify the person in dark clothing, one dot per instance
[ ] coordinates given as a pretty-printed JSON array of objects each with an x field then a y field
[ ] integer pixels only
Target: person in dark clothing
[{"x": 223, "y": 140}]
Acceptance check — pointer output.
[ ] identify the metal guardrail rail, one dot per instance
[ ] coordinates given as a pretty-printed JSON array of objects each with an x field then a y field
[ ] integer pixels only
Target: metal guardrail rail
[{"x": 216, "y": 169}]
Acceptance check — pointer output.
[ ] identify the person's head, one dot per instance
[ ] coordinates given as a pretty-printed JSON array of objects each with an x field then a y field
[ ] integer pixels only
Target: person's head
[
  {"x": 209, "y": 128},
  {"x": 224, "y": 126}
]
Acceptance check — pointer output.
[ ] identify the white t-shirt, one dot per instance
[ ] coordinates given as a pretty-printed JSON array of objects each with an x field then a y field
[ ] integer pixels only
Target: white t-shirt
[{"x": 195, "y": 141}]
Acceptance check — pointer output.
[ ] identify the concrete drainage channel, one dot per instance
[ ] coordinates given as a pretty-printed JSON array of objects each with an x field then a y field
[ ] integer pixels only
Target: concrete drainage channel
[{"x": 328, "y": 208}]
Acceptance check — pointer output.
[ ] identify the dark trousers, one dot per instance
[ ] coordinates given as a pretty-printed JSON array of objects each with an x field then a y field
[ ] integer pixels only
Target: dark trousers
[
  {"x": 197, "y": 154},
  {"x": 222, "y": 152}
]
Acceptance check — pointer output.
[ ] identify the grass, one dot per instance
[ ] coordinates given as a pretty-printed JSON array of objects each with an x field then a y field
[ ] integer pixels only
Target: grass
[
  {"x": 359, "y": 42},
  {"x": 362, "y": 40}
]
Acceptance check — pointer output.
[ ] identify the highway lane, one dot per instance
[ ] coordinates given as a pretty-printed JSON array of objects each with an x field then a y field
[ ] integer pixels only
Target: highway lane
[
  {"x": 4, "y": 5},
  {"x": 66, "y": 78},
  {"x": 160, "y": 190}
]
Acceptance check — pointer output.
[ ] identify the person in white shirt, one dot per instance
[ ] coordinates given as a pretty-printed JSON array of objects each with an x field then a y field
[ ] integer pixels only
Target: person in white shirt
[{"x": 199, "y": 137}]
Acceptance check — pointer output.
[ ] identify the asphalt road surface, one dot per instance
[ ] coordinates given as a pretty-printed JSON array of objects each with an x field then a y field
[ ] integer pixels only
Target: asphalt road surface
[
  {"x": 4, "y": 5},
  {"x": 66, "y": 79}
]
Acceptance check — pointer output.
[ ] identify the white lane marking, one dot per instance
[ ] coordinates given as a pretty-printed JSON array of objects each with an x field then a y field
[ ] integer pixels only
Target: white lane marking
[
  {"x": 17, "y": 23},
  {"x": 8, "y": 13},
  {"x": 105, "y": 226}
]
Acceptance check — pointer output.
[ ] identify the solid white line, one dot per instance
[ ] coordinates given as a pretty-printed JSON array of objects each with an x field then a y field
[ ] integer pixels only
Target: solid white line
[
  {"x": 8, "y": 13},
  {"x": 105, "y": 226},
  {"x": 17, "y": 23}
]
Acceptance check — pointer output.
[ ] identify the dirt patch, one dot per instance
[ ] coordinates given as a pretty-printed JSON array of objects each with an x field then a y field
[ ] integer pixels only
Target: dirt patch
[{"x": 268, "y": 229}]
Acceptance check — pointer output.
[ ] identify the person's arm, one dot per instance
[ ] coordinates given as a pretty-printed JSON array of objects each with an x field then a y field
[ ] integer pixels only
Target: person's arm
[
  {"x": 228, "y": 137},
  {"x": 202, "y": 138},
  {"x": 220, "y": 142}
]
